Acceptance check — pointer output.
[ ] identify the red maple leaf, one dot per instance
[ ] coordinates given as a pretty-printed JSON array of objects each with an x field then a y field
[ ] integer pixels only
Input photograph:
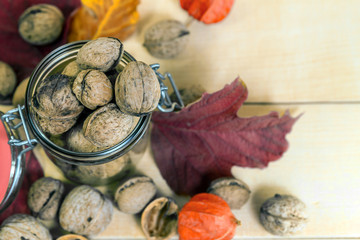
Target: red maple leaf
[
  {"x": 20, "y": 55},
  {"x": 203, "y": 141}
]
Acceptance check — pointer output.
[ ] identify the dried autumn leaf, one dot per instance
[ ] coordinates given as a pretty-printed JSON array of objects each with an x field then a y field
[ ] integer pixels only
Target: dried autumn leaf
[
  {"x": 203, "y": 141},
  {"x": 105, "y": 18},
  {"x": 20, "y": 55},
  {"x": 207, "y": 11},
  {"x": 32, "y": 173}
]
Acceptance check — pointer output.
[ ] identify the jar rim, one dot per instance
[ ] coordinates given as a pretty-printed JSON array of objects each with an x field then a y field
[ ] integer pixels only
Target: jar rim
[{"x": 46, "y": 66}]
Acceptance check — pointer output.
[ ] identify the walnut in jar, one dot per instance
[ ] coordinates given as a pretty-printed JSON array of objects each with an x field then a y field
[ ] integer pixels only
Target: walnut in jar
[
  {"x": 72, "y": 69},
  {"x": 7, "y": 80},
  {"x": 54, "y": 126},
  {"x": 234, "y": 191},
  {"x": 137, "y": 89},
  {"x": 54, "y": 97},
  {"x": 85, "y": 211},
  {"x": 107, "y": 126},
  {"x": 102, "y": 54},
  {"x": 92, "y": 88},
  {"x": 159, "y": 219},
  {"x": 44, "y": 197},
  {"x": 99, "y": 174},
  {"x": 76, "y": 141},
  {"x": 283, "y": 215},
  {"x": 166, "y": 39},
  {"x": 133, "y": 195},
  {"x": 23, "y": 226},
  {"x": 41, "y": 24},
  {"x": 55, "y": 104}
]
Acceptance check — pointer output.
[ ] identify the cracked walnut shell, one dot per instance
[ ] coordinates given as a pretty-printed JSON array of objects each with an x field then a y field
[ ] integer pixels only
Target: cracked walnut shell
[
  {"x": 137, "y": 89},
  {"x": 85, "y": 211},
  {"x": 159, "y": 219}
]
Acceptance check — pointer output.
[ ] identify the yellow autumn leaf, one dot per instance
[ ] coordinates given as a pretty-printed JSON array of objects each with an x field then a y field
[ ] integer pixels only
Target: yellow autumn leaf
[{"x": 104, "y": 18}]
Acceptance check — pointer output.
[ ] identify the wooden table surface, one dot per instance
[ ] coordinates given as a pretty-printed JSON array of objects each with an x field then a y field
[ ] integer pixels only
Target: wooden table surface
[{"x": 301, "y": 55}]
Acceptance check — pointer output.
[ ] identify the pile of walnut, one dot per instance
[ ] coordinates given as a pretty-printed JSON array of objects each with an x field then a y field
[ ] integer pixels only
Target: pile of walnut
[
  {"x": 85, "y": 211},
  {"x": 83, "y": 94}
]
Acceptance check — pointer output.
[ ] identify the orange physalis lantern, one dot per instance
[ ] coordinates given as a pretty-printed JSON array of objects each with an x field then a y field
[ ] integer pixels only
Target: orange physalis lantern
[
  {"x": 206, "y": 217},
  {"x": 207, "y": 11}
]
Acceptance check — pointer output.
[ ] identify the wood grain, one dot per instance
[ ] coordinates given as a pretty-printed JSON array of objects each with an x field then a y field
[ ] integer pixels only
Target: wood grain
[
  {"x": 302, "y": 53},
  {"x": 284, "y": 50}
]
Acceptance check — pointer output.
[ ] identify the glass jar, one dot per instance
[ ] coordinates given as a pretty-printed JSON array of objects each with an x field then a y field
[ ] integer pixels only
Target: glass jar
[{"x": 93, "y": 168}]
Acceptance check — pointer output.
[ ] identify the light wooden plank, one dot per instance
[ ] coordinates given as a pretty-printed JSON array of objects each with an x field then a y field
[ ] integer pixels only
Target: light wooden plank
[
  {"x": 321, "y": 167},
  {"x": 293, "y": 50}
]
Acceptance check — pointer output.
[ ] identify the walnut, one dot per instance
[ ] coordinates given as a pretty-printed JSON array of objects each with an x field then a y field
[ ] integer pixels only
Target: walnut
[
  {"x": 137, "y": 89},
  {"x": 85, "y": 211},
  {"x": 98, "y": 174},
  {"x": 92, "y": 88},
  {"x": 166, "y": 39},
  {"x": 283, "y": 215},
  {"x": 133, "y": 195},
  {"x": 76, "y": 141},
  {"x": 107, "y": 126},
  {"x": 20, "y": 91},
  {"x": 72, "y": 69},
  {"x": 54, "y": 98},
  {"x": 102, "y": 54},
  {"x": 56, "y": 106},
  {"x": 44, "y": 198},
  {"x": 41, "y": 24},
  {"x": 159, "y": 219},
  {"x": 55, "y": 126},
  {"x": 58, "y": 140},
  {"x": 22, "y": 226},
  {"x": 7, "y": 80},
  {"x": 234, "y": 191},
  {"x": 71, "y": 237}
]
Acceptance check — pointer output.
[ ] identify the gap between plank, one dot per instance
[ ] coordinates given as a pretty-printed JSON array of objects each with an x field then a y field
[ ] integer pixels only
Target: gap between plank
[{"x": 305, "y": 103}]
